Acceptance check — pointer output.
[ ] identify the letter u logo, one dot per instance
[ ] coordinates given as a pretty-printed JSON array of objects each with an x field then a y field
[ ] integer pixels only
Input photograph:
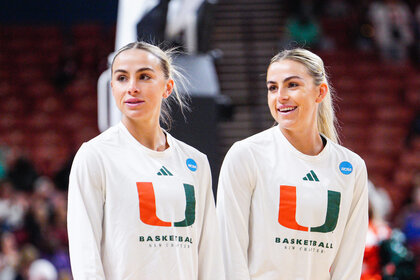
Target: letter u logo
[
  {"x": 287, "y": 210},
  {"x": 147, "y": 204}
]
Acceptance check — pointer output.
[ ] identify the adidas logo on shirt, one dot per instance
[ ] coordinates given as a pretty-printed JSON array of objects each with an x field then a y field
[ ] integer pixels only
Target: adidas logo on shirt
[
  {"x": 164, "y": 172},
  {"x": 311, "y": 176}
]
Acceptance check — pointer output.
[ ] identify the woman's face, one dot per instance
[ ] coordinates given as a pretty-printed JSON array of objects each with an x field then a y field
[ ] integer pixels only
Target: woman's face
[
  {"x": 293, "y": 96},
  {"x": 138, "y": 85}
]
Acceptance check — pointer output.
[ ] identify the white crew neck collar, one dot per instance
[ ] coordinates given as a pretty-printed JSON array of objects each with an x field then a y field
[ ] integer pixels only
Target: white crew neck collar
[
  {"x": 145, "y": 149},
  {"x": 279, "y": 135}
]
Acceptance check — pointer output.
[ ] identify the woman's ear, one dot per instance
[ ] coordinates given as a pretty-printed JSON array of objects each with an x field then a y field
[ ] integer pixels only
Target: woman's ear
[
  {"x": 169, "y": 88},
  {"x": 323, "y": 90}
]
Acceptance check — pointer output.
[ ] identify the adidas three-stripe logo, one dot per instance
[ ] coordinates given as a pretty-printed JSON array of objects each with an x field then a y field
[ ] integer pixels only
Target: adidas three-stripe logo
[
  {"x": 311, "y": 176},
  {"x": 164, "y": 172}
]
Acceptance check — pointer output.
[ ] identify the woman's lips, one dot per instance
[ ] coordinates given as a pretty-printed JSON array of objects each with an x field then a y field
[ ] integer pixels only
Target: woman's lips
[
  {"x": 286, "y": 109},
  {"x": 132, "y": 102}
]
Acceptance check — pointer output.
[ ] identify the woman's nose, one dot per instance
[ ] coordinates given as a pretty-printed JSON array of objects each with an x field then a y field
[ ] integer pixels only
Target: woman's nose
[
  {"x": 132, "y": 87},
  {"x": 282, "y": 94}
]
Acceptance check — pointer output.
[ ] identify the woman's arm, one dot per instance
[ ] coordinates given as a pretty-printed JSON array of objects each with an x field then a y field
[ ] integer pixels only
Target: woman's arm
[
  {"x": 348, "y": 261},
  {"x": 236, "y": 185},
  {"x": 210, "y": 260},
  {"x": 85, "y": 215}
]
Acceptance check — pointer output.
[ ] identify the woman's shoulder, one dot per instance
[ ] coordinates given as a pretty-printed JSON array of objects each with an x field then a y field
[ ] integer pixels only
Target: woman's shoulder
[
  {"x": 96, "y": 144},
  {"x": 182, "y": 147},
  {"x": 260, "y": 139},
  {"x": 107, "y": 136},
  {"x": 245, "y": 149},
  {"x": 345, "y": 152}
]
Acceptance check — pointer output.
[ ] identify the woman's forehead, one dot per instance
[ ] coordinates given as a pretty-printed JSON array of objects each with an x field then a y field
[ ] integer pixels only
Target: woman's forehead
[
  {"x": 287, "y": 67},
  {"x": 137, "y": 57}
]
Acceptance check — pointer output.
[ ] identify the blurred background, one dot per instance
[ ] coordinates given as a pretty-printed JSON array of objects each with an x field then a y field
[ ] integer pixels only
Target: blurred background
[{"x": 52, "y": 54}]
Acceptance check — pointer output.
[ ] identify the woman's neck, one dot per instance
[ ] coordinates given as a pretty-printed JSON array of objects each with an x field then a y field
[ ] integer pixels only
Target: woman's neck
[
  {"x": 308, "y": 142},
  {"x": 149, "y": 134}
]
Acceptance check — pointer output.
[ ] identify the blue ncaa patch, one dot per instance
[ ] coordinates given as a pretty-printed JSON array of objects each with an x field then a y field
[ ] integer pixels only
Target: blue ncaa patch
[
  {"x": 191, "y": 164},
  {"x": 346, "y": 168}
]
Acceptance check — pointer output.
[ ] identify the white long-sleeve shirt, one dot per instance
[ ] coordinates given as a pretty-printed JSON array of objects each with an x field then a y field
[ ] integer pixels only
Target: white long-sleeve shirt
[
  {"x": 285, "y": 215},
  {"x": 135, "y": 213}
]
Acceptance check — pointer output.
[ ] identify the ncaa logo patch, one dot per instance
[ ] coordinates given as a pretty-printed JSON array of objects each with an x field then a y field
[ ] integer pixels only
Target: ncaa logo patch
[
  {"x": 191, "y": 164},
  {"x": 346, "y": 168}
]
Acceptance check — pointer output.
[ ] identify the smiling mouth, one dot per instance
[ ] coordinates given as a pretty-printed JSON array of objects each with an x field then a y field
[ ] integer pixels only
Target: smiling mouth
[{"x": 287, "y": 109}]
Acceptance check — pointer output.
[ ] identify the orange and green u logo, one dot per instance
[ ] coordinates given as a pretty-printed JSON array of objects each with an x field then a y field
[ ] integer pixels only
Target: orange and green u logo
[
  {"x": 147, "y": 206},
  {"x": 287, "y": 210}
]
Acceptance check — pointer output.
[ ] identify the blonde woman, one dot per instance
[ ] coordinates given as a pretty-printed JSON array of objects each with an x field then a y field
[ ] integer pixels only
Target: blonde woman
[
  {"x": 140, "y": 202},
  {"x": 292, "y": 203}
]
